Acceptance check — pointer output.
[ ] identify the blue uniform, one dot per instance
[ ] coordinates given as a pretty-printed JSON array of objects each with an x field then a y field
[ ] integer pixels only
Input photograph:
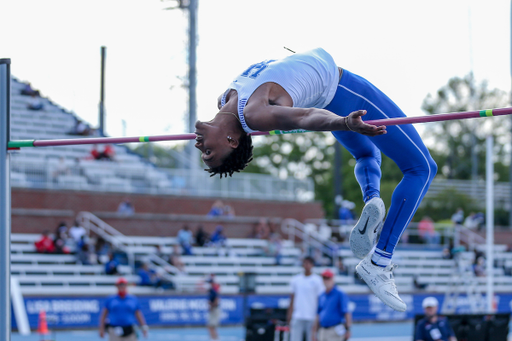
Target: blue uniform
[
  {"x": 440, "y": 330},
  {"x": 332, "y": 307},
  {"x": 401, "y": 143},
  {"x": 121, "y": 311}
]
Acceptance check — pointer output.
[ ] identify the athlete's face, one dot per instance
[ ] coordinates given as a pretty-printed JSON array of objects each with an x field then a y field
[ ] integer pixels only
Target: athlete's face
[{"x": 213, "y": 143}]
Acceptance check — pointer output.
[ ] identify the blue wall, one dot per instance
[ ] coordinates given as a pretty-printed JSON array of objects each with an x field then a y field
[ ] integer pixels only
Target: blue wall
[{"x": 83, "y": 312}]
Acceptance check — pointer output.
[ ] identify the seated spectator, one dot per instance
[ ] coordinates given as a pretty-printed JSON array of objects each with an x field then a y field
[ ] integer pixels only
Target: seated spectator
[
  {"x": 218, "y": 237},
  {"x": 228, "y": 211},
  {"x": 150, "y": 278},
  {"x": 479, "y": 267},
  {"x": 217, "y": 209},
  {"x": 201, "y": 236},
  {"x": 103, "y": 249},
  {"x": 418, "y": 285},
  {"x": 274, "y": 247},
  {"x": 427, "y": 232},
  {"x": 81, "y": 128},
  {"x": 28, "y": 91},
  {"x": 45, "y": 243},
  {"x": 76, "y": 232},
  {"x": 446, "y": 253},
  {"x": 35, "y": 103},
  {"x": 125, "y": 207},
  {"x": 60, "y": 239},
  {"x": 261, "y": 230},
  {"x": 112, "y": 266},
  {"x": 175, "y": 259},
  {"x": 85, "y": 255},
  {"x": 107, "y": 153},
  {"x": 342, "y": 269},
  {"x": 458, "y": 217},
  {"x": 185, "y": 239}
]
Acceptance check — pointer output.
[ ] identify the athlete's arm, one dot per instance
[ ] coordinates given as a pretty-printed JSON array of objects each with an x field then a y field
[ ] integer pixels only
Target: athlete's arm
[{"x": 272, "y": 117}]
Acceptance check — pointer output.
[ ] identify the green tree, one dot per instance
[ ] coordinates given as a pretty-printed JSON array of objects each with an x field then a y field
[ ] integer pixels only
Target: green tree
[
  {"x": 452, "y": 141},
  {"x": 311, "y": 155}
]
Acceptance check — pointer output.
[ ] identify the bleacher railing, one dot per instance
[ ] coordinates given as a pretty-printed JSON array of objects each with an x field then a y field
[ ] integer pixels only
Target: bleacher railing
[{"x": 132, "y": 178}]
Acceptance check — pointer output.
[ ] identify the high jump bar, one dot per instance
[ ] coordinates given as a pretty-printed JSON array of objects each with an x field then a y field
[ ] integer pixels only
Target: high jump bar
[{"x": 191, "y": 136}]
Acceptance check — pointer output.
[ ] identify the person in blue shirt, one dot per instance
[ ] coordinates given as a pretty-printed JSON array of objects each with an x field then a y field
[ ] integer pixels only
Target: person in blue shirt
[
  {"x": 123, "y": 311},
  {"x": 334, "y": 319},
  {"x": 433, "y": 327},
  {"x": 111, "y": 267}
]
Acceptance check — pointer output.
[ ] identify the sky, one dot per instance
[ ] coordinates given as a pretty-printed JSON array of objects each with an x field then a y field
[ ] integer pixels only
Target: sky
[{"x": 406, "y": 48}]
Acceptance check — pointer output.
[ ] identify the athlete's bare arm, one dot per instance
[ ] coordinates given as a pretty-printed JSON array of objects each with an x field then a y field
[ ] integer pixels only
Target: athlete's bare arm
[{"x": 265, "y": 117}]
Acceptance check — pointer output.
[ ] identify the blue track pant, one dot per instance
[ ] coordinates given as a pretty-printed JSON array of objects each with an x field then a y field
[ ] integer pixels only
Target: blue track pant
[{"x": 402, "y": 144}]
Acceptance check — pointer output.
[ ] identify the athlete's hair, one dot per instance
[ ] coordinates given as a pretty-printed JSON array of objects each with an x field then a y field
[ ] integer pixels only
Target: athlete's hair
[{"x": 237, "y": 160}]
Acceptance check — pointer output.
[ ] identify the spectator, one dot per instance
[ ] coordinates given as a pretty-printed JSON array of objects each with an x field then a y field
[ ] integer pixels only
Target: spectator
[
  {"x": 345, "y": 213},
  {"x": 106, "y": 154},
  {"x": 342, "y": 269},
  {"x": 185, "y": 239},
  {"x": 418, "y": 285},
  {"x": 45, "y": 243},
  {"x": 149, "y": 277},
  {"x": 214, "y": 313},
  {"x": 175, "y": 259},
  {"x": 273, "y": 248},
  {"x": 479, "y": 267},
  {"x": 217, "y": 209},
  {"x": 103, "y": 249},
  {"x": 122, "y": 310},
  {"x": 112, "y": 266},
  {"x": 28, "y": 91},
  {"x": 125, "y": 207},
  {"x": 228, "y": 212},
  {"x": 85, "y": 254},
  {"x": 446, "y": 253},
  {"x": 433, "y": 327},
  {"x": 305, "y": 287},
  {"x": 201, "y": 236},
  {"x": 427, "y": 232},
  {"x": 218, "y": 237},
  {"x": 333, "y": 320},
  {"x": 76, "y": 232},
  {"x": 458, "y": 217},
  {"x": 81, "y": 128},
  {"x": 60, "y": 238},
  {"x": 35, "y": 103}
]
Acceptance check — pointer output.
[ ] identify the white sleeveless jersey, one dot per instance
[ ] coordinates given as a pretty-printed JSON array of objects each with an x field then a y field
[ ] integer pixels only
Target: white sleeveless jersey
[{"x": 310, "y": 78}]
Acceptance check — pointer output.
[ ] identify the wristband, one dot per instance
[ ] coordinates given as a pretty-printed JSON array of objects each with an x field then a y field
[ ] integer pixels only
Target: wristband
[
  {"x": 145, "y": 327},
  {"x": 346, "y": 123}
]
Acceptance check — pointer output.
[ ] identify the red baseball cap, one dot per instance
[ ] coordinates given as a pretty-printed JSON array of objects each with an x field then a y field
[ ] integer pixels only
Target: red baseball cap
[
  {"x": 327, "y": 274},
  {"x": 121, "y": 280}
]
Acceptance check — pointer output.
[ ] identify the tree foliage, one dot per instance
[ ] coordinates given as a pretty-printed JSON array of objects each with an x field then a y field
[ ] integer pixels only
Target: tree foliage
[{"x": 452, "y": 141}]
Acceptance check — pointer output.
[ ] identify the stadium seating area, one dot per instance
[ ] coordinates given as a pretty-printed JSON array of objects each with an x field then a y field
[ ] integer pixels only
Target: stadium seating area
[{"x": 50, "y": 274}]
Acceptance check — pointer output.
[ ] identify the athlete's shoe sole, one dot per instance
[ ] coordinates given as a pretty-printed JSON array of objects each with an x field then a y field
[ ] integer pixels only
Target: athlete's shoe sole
[
  {"x": 381, "y": 282},
  {"x": 364, "y": 234}
]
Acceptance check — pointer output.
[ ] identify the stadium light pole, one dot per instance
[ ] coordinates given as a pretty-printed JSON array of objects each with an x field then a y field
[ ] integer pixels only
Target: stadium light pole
[{"x": 5, "y": 201}]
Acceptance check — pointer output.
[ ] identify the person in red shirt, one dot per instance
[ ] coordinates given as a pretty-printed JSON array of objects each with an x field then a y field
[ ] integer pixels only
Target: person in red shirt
[{"x": 45, "y": 244}]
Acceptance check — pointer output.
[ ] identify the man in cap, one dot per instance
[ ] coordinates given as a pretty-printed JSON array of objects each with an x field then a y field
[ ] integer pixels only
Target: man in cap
[
  {"x": 334, "y": 320},
  {"x": 122, "y": 310},
  {"x": 433, "y": 327}
]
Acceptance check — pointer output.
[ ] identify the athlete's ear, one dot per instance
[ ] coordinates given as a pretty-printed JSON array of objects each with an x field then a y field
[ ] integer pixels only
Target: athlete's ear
[{"x": 233, "y": 143}]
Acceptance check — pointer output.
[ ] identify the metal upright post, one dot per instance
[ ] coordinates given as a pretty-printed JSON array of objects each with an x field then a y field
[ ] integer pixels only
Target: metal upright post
[
  {"x": 489, "y": 214},
  {"x": 5, "y": 201},
  {"x": 192, "y": 79}
]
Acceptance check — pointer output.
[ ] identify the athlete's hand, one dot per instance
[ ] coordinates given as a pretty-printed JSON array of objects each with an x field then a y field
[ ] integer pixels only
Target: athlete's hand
[{"x": 356, "y": 124}]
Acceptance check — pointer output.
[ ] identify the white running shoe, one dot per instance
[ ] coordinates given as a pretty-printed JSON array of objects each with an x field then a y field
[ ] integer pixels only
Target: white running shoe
[
  {"x": 381, "y": 281},
  {"x": 364, "y": 234}
]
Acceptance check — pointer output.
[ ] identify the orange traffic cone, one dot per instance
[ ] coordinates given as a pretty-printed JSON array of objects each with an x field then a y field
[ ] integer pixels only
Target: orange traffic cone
[{"x": 42, "y": 326}]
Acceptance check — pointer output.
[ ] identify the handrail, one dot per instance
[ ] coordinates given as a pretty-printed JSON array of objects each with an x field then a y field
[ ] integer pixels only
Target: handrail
[{"x": 295, "y": 229}]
